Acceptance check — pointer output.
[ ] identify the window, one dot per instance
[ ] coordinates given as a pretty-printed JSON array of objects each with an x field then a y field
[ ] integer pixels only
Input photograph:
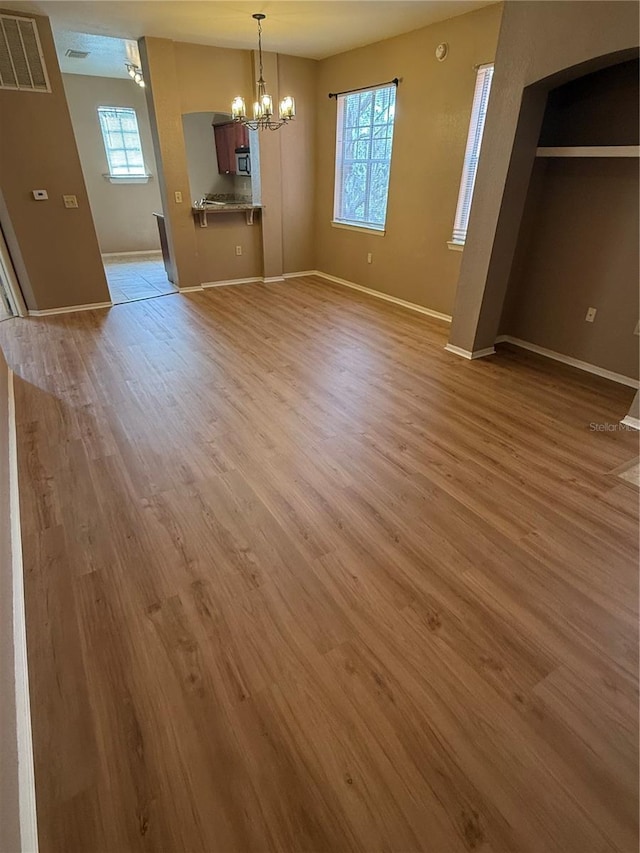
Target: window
[
  {"x": 363, "y": 157},
  {"x": 472, "y": 154},
  {"x": 122, "y": 144}
]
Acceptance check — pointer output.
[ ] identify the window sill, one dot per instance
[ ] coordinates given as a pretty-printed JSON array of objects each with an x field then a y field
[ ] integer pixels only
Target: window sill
[
  {"x": 455, "y": 247},
  {"x": 363, "y": 229},
  {"x": 128, "y": 179}
]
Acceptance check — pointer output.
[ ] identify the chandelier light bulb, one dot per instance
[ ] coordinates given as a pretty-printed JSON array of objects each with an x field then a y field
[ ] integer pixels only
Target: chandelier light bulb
[
  {"x": 287, "y": 108},
  {"x": 238, "y": 108}
]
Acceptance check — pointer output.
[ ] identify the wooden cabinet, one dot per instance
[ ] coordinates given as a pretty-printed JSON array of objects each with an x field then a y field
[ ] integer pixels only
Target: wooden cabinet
[{"x": 228, "y": 137}]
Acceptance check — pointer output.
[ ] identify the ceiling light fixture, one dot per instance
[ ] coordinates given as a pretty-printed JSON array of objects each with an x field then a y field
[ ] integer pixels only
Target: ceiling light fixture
[
  {"x": 263, "y": 118},
  {"x": 135, "y": 72}
]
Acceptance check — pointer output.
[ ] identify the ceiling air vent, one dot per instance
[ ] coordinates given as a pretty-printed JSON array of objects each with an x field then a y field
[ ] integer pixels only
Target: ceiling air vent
[
  {"x": 21, "y": 62},
  {"x": 76, "y": 54}
]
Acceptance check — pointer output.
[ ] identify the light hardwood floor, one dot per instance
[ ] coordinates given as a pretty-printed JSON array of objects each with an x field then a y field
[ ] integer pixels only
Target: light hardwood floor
[{"x": 298, "y": 579}]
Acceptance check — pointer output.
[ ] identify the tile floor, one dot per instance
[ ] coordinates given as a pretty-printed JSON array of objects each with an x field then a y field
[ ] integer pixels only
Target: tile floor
[{"x": 136, "y": 277}]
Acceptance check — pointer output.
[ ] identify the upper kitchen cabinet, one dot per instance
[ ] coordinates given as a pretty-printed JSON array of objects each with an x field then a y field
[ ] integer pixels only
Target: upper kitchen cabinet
[{"x": 228, "y": 137}]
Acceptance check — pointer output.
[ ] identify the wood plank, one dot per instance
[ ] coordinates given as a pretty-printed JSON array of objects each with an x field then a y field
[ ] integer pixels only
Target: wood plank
[{"x": 297, "y": 579}]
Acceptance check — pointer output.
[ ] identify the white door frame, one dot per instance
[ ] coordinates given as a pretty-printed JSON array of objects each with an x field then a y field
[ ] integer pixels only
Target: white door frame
[{"x": 10, "y": 280}]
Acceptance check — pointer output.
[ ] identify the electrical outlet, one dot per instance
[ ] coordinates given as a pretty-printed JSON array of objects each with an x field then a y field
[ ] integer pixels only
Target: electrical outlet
[
  {"x": 369, "y": 258},
  {"x": 70, "y": 200},
  {"x": 178, "y": 196},
  {"x": 40, "y": 195},
  {"x": 591, "y": 315},
  {"x": 238, "y": 250}
]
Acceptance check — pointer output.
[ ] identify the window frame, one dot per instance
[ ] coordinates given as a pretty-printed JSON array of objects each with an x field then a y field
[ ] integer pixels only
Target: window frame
[
  {"x": 141, "y": 174},
  {"x": 475, "y": 134},
  {"x": 364, "y": 225}
]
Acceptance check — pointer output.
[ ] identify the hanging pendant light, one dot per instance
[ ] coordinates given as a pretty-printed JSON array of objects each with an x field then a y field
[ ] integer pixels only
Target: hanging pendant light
[{"x": 263, "y": 118}]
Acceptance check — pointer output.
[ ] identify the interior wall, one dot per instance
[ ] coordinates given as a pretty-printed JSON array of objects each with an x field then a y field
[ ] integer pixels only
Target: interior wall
[
  {"x": 580, "y": 250},
  {"x": 298, "y": 77},
  {"x": 433, "y": 109},
  {"x": 122, "y": 213},
  {"x": 9, "y": 802},
  {"x": 541, "y": 45},
  {"x": 578, "y": 243},
  {"x": 58, "y": 246},
  {"x": 187, "y": 78}
]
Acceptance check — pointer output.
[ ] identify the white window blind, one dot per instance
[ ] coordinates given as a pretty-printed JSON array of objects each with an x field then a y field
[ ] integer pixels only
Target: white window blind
[
  {"x": 472, "y": 152},
  {"x": 122, "y": 143},
  {"x": 363, "y": 157}
]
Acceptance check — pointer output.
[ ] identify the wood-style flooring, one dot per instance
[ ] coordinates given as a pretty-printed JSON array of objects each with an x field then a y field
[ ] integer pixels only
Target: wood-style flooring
[{"x": 297, "y": 579}]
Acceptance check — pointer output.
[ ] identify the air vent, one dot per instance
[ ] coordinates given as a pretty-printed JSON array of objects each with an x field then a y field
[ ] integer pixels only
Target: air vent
[
  {"x": 76, "y": 54},
  {"x": 21, "y": 60}
]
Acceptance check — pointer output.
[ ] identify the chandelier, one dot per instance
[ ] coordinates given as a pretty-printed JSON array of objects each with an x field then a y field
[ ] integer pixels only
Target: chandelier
[{"x": 263, "y": 117}]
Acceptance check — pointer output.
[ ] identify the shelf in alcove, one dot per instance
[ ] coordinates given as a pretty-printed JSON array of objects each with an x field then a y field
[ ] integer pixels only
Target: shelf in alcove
[{"x": 591, "y": 151}]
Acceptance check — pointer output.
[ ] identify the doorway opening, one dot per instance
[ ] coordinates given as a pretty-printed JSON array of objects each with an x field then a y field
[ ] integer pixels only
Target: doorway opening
[
  {"x": 106, "y": 97},
  {"x": 11, "y": 300}
]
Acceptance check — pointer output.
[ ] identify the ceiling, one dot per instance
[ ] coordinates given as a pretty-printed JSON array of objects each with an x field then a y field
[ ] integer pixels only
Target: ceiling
[
  {"x": 311, "y": 28},
  {"x": 106, "y": 55}
]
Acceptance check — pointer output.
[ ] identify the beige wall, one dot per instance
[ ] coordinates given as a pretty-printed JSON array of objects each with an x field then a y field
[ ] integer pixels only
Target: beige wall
[
  {"x": 434, "y": 100},
  {"x": 58, "y": 247},
  {"x": 578, "y": 242},
  {"x": 9, "y": 806},
  {"x": 540, "y": 43},
  {"x": 186, "y": 78},
  {"x": 298, "y": 77},
  {"x": 580, "y": 250},
  {"x": 122, "y": 213}
]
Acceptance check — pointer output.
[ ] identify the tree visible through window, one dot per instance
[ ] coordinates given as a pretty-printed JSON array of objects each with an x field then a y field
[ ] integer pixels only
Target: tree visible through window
[
  {"x": 122, "y": 144},
  {"x": 363, "y": 157}
]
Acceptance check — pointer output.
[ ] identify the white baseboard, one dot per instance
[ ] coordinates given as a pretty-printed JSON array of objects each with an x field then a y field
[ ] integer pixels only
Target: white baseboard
[
  {"x": 572, "y": 362},
  {"x": 26, "y": 773},
  {"x": 111, "y": 255},
  {"x": 300, "y": 274},
  {"x": 630, "y": 421},
  {"x": 190, "y": 289},
  {"x": 465, "y": 353},
  {"x": 420, "y": 309},
  {"x": 273, "y": 279},
  {"x": 70, "y": 309},
  {"x": 231, "y": 281}
]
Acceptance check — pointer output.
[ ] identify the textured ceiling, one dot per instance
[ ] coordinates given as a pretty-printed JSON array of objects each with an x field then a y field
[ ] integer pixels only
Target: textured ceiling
[
  {"x": 313, "y": 29},
  {"x": 107, "y": 55}
]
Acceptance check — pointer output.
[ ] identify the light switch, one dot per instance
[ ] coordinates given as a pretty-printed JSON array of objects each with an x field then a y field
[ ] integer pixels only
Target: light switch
[
  {"x": 40, "y": 195},
  {"x": 70, "y": 200},
  {"x": 178, "y": 196}
]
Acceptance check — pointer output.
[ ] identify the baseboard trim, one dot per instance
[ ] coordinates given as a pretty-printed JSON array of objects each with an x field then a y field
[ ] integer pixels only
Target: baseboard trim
[
  {"x": 300, "y": 274},
  {"x": 111, "y": 255},
  {"x": 231, "y": 281},
  {"x": 70, "y": 309},
  {"x": 258, "y": 279},
  {"x": 630, "y": 421},
  {"x": 26, "y": 773},
  {"x": 386, "y": 297},
  {"x": 572, "y": 362},
  {"x": 471, "y": 356},
  {"x": 191, "y": 289}
]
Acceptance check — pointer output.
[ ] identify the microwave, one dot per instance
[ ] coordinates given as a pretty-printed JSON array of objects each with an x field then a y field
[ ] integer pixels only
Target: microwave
[{"x": 243, "y": 161}]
